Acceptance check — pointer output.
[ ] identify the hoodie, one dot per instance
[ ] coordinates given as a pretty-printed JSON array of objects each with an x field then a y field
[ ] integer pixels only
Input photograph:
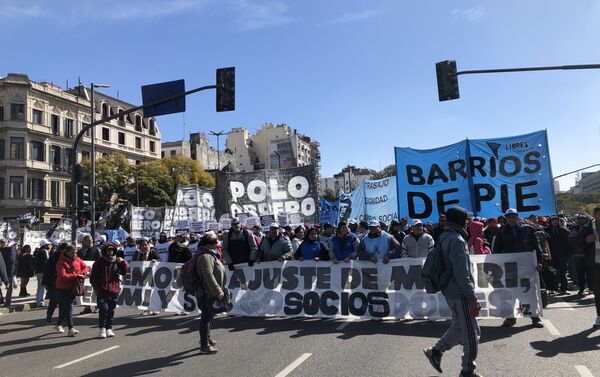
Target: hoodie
[
  {"x": 477, "y": 244},
  {"x": 105, "y": 274}
]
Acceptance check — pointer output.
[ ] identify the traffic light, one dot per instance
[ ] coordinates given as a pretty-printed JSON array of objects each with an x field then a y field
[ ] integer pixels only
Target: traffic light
[
  {"x": 447, "y": 80},
  {"x": 226, "y": 89},
  {"x": 83, "y": 195}
]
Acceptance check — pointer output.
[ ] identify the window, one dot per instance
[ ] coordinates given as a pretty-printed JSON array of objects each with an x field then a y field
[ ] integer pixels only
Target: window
[
  {"x": 122, "y": 138},
  {"x": 138, "y": 123},
  {"x": 54, "y": 192},
  {"x": 69, "y": 128},
  {"x": 16, "y": 187},
  {"x": 138, "y": 143},
  {"x": 2, "y": 149},
  {"x": 56, "y": 158},
  {"x": 88, "y": 133},
  {"x": 37, "y": 151},
  {"x": 85, "y": 155},
  {"x": 173, "y": 153},
  {"x": 1, "y": 113},
  {"x": 152, "y": 127},
  {"x": 35, "y": 188},
  {"x": 138, "y": 162},
  {"x": 105, "y": 134},
  {"x": 105, "y": 110},
  {"x": 54, "y": 123},
  {"x": 17, "y": 144},
  {"x": 68, "y": 195},
  {"x": 17, "y": 111},
  {"x": 2, "y": 187},
  {"x": 68, "y": 159},
  {"x": 36, "y": 116},
  {"x": 121, "y": 116},
  {"x": 152, "y": 146},
  {"x": 162, "y": 154}
]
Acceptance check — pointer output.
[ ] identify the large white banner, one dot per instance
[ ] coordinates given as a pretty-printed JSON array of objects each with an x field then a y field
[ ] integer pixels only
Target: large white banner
[{"x": 506, "y": 285}]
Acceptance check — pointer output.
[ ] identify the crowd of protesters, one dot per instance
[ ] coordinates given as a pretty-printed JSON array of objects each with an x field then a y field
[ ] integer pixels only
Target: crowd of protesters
[{"x": 570, "y": 245}]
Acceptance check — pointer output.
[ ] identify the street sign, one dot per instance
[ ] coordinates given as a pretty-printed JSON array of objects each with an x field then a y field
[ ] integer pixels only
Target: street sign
[{"x": 156, "y": 92}]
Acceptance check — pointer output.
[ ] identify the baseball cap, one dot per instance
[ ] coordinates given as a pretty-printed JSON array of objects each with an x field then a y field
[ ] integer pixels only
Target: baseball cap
[
  {"x": 415, "y": 222},
  {"x": 44, "y": 242},
  {"x": 373, "y": 223},
  {"x": 511, "y": 211},
  {"x": 274, "y": 225},
  {"x": 353, "y": 221}
]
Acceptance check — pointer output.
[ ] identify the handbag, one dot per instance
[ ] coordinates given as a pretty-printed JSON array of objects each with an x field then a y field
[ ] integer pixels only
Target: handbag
[
  {"x": 222, "y": 305},
  {"x": 78, "y": 284}
]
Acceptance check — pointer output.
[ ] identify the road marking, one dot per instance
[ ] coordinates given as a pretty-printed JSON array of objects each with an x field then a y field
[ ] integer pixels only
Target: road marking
[
  {"x": 85, "y": 357},
  {"x": 560, "y": 304},
  {"x": 551, "y": 328},
  {"x": 294, "y": 365},
  {"x": 583, "y": 371},
  {"x": 190, "y": 320},
  {"x": 345, "y": 323}
]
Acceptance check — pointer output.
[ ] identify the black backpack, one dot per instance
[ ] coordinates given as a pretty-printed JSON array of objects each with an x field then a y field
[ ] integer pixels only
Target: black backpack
[{"x": 436, "y": 272}]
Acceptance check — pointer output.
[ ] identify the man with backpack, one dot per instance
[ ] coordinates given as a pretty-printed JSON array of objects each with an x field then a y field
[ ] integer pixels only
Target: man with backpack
[
  {"x": 239, "y": 246},
  {"x": 459, "y": 292}
]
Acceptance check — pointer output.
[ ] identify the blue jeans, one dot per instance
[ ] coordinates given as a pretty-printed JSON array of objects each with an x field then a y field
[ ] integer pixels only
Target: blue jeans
[
  {"x": 65, "y": 302},
  {"x": 206, "y": 318},
  {"x": 106, "y": 308},
  {"x": 41, "y": 289}
]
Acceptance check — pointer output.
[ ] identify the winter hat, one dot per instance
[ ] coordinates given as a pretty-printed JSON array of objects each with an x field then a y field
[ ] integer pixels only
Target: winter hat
[{"x": 456, "y": 215}]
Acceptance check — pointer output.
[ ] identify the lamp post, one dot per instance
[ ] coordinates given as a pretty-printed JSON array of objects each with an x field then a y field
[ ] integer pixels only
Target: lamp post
[
  {"x": 93, "y": 160},
  {"x": 218, "y": 135}
]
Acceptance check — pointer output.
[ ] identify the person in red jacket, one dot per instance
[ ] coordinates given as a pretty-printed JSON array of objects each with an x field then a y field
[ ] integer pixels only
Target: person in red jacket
[
  {"x": 106, "y": 284},
  {"x": 68, "y": 268},
  {"x": 477, "y": 243}
]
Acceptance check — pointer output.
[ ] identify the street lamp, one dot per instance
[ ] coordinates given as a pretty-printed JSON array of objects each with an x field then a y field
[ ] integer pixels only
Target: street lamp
[
  {"x": 93, "y": 159},
  {"x": 218, "y": 135}
]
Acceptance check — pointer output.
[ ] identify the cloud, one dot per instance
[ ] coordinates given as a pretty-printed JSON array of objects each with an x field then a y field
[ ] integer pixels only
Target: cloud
[
  {"x": 260, "y": 14},
  {"x": 351, "y": 17},
  {"x": 471, "y": 14}
]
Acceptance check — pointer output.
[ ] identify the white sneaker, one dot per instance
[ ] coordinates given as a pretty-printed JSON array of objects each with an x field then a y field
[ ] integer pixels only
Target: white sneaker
[
  {"x": 110, "y": 333},
  {"x": 73, "y": 332},
  {"x": 597, "y": 323},
  {"x": 102, "y": 333},
  {"x": 59, "y": 329}
]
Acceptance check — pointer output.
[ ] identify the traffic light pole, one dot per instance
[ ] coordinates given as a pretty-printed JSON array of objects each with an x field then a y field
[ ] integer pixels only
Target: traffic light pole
[
  {"x": 75, "y": 177},
  {"x": 527, "y": 69}
]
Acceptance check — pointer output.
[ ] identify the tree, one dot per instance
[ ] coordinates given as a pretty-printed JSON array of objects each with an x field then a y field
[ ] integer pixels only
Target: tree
[
  {"x": 156, "y": 186},
  {"x": 570, "y": 204},
  {"x": 388, "y": 171},
  {"x": 113, "y": 179},
  {"x": 330, "y": 195},
  {"x": 186, "y": 171}
]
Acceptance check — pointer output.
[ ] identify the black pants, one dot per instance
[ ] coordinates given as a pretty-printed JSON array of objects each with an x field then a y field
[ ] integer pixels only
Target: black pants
[
  {"x": 561, "y": 265},
  {"x": 65, "y": 300},
  {"x": 583, "y": 272},
  {"x": 596, "y": 287},
  {"x": 206, "y": 318},
  {"x": 52, "y": 303},
  {"x": 24, "y": 282}
]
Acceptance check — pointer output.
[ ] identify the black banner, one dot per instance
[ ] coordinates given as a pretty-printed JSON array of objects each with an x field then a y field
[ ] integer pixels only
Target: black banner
[
  {"x": 146, "y": 221},
  {"x": 269, "y": 192}
]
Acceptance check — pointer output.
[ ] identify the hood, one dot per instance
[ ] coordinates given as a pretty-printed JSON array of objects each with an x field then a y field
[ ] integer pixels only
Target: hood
[
  {"x": 106, "y": 246},
  {"x": 476, "y": 229}
]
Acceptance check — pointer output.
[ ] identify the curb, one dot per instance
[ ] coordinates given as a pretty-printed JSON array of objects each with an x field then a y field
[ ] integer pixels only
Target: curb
[{"x": 18, "y": 308}]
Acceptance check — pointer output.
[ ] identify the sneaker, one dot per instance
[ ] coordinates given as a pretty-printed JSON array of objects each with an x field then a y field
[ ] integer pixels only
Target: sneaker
[
  {"x": 597, "y": 323},
  {"x": 581, "y": 293},
  {"x": 213, "y": 343},
  {"x": 469, "y": 374},
  {"x": 537, "y": 322},
  {"x": 59, "y": 329},
  {"x": 208, "y": 350},
  {"x": 40, "y": 304},
  {"x": 435, "y": 358},
  {"x": 73, "y": 332},
  {"x": 102, "y": 333},
  {"x": 110, "y": 333},
  {"x": 509, "y": 322}
]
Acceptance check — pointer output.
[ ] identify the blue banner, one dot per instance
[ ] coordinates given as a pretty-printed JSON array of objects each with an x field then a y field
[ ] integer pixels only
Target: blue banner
[
  {"x": 484, "y": 176},
  {"x": 329, "y": 212}
]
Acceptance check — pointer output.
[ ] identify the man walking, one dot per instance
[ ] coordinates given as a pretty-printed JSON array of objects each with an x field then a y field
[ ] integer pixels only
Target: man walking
[{"x": 460, "y": 295}]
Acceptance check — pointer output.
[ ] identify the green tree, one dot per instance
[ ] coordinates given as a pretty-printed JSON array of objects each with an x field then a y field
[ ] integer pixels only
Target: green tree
[
  {"x": 113, "y": 179},
  {"x": 570, "y": 204},
  {"x": 388, "y": 171},
  {"x": 186, "y": 171},
  {"x": 156, "y": 186},
  {"x": 329, "y": 195}
]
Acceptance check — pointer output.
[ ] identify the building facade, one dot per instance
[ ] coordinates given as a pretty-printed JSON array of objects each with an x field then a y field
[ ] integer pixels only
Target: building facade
[
  {"x": 273, "y": 147},
  {"x": 198, "y": 148},
  {"x": 347, "y": 180},
  {"x": 587, "y": 182},
  {"x": 38, "y": 124}
]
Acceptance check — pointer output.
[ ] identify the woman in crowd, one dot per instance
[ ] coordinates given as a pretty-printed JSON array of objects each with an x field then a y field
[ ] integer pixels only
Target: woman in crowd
[
  {"x": 49, "y": 279},
  {"x": 25, "y": 269},
  {"x": 68, "y": 268},
  {"x": 343, "y": 245},
  {"x": 212, "y": 274},
  {"x": 297, "y": 238},
  {"x": 311, "y": 248}
]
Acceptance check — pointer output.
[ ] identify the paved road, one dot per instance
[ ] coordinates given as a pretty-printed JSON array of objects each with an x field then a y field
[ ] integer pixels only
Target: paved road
[{"x": 167, "y": 345}]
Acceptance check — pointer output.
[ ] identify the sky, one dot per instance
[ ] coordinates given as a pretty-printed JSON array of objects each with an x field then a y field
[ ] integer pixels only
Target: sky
[{"x": 357, "y": 76}]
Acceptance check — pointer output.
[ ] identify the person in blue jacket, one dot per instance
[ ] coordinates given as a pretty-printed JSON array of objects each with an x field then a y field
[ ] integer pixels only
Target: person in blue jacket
[
  {"x": 343, "y": 245},
  {"x": 312, "y": 248},
  {"x": 378, "y": 245}
]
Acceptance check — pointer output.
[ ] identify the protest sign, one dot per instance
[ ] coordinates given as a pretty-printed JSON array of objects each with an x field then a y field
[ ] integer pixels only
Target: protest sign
[
  {"x": 484, "y": 176},
  {"x": 194, "y": 203},
  {"x": 372, "y": 200},
  {"x": 282, "y": 219},
  {"x": 182, "y": 226},
  {"x": 295, "y": 220},
  {"x": 505, "y": 285},
  {"x": 197, "y": 226},
  {"x": 146, "y": 221},
  {"x": 33, "y": 238},
  {"x": 266, "y": 221},
  {"x": 268, "y": 192},
  {"x": 251, "y": 222}
]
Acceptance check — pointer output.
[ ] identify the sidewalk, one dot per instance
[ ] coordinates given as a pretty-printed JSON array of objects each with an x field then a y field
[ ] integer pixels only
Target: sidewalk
[{"x": 19, "y": 304}]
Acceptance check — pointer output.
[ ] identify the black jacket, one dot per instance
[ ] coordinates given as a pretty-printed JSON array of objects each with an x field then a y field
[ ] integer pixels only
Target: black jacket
[
  {"x": 40, "y": 256},
  {"x": 3, "y": 275},
  {"x": 89, "y": 253},
  {"x": 179, "y": 253},
  {"x": 25, "y": 266},
  {"x": 580, "y": 247},
  {"x": 49, "y": 278},
  {"x": 559, "y": 241},
  {"x": 522, "y": 238},
  {"x": 138, "y": 256}
]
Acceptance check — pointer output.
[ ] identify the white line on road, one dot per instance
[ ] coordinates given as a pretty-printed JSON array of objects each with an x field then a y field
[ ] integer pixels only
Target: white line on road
[
  {"x": 294, "y": 365},
  {"x": 551, "y": 328},
  {"x": 85, "y": 357},
  {"x": 345, "y": 323},
  {"x": 583, "y": 371},
  {"x": 560, "y": 304}
]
